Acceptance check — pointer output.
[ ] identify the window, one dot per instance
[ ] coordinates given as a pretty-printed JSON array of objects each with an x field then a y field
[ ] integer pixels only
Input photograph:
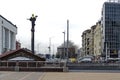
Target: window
[{"x": 2, "y": 22}]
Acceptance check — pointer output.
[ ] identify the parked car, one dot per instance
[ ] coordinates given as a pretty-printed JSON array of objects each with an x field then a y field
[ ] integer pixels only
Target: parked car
[
  {"x": 53, "y": 60},
  {"x": 113, "y": 60},
  {"x": 85, "y": 60}
]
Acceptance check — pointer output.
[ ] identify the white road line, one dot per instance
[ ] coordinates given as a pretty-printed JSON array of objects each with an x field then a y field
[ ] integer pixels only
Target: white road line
[
  {"x": 42, "y": 76},
  {"x": 26, "y": 76}
]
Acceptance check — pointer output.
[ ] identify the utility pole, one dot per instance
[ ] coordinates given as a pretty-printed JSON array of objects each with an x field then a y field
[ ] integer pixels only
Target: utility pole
[
  {"x": 32, "y": 19},
  {"x": 67, "y": 38}
]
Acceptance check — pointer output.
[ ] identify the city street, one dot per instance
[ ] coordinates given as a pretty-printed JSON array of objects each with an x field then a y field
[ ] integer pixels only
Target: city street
[{"x": 83, "y": 75}]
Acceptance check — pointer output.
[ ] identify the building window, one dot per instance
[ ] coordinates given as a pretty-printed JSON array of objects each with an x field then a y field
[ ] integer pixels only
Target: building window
[{"x": 2, "y": 22}]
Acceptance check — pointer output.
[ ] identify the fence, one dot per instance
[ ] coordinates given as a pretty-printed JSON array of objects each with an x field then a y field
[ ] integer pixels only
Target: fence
[
  {"x": 31, "y": 66},
  {"x": 94, "y": 66}
]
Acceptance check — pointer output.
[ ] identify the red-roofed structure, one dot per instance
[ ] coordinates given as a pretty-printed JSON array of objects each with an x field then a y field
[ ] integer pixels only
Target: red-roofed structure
[{"x": 20, "y": 53}]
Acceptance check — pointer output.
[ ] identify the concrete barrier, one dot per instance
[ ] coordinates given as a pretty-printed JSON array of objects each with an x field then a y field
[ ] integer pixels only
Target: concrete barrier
[{"x": 86, "y": 66}]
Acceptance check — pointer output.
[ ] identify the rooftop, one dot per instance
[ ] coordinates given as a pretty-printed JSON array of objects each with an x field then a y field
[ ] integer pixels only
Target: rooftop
[{"x": 8, "y": 21}]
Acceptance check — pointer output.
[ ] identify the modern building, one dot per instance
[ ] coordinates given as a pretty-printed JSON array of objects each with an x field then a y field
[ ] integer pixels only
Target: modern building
[
  {"x": 8, "y": 33},
  {"x": 111, "y": 29},
  {"x": 97, "y": 39}
]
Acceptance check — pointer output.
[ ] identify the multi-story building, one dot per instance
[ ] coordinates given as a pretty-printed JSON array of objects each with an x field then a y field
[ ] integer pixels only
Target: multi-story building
[
  {"x": 92, "y": 40},
  {"x": 97, "y": 39},
  {"x": 88, "y": 41},
  {"x": 8, "y": 33},
  {"x": 86, "y": 36},
  {"x": 111, "y": 29}
]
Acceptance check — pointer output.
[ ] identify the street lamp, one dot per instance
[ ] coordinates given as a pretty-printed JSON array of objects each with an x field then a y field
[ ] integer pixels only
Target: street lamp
[
  {"x": 32, "y": 19},
  {"x": 64, "y": 45},
  {"x": 49, "y": 46}
]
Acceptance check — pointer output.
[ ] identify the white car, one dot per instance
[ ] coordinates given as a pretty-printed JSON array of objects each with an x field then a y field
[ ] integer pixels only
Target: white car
[{"x": 85, "y": 60}]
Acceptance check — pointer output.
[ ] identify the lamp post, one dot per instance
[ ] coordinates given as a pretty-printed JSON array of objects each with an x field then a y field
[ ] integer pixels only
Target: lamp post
[
  {"x": 49, "y": 46},
  {"x": 64, "y": 46},
  {"x": 32, "y": 19}
]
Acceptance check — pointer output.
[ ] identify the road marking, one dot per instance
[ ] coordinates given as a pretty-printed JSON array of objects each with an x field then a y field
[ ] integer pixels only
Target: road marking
[
  {"x": 26, "y": 76},
  {"x": 42, "y": 76}
]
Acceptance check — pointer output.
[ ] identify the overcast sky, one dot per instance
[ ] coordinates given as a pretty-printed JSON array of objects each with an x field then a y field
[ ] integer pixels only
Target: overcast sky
[{"x": 52, "y": 19}]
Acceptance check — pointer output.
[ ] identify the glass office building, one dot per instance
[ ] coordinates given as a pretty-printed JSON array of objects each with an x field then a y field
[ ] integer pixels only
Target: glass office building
[{"x": 111, "y": 29}]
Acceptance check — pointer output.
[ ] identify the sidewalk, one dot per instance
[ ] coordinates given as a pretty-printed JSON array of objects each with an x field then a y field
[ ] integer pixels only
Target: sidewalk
[
  {"x": 80, "y": 76},
  {"x": 4, "y": 75}
]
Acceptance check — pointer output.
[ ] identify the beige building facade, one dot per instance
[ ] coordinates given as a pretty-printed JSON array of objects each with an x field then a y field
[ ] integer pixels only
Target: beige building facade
[
  {"x": 97, "y": 39},
  {"x": 86, "y": 36},
  {"x": 91, "y": 41}
]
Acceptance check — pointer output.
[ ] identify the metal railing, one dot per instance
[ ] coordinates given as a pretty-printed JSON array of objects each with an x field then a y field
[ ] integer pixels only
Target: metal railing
[
  {"x": 33, "y": 66},
  {"x": 27, "y": 64}
]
